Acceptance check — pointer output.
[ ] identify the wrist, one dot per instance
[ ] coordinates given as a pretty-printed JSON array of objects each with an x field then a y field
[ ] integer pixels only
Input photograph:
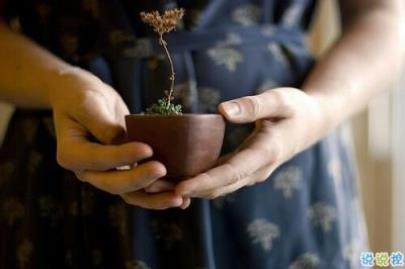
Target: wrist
[
  {"x": 67, "y": 82},
  {"x": 330, "y": 108}
]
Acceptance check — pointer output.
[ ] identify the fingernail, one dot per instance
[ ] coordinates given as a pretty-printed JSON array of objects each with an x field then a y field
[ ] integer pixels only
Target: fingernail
[
  {"x": 178, "y": 202},
  {"x": 184, "y": 207},
  {"x": 232, "y": 108}
]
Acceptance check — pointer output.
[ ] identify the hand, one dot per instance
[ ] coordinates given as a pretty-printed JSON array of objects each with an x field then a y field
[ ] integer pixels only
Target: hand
[
  {"x": 287, "y": 121},
  {"x": 85, "y": 111}
]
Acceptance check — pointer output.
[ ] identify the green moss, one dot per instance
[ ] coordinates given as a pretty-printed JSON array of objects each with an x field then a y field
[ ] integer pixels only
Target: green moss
[{"x": 164, "y": 107}]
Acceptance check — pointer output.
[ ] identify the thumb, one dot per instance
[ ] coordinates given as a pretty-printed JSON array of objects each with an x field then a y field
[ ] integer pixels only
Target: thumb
[
  {"x": 251, "y": 108},
  {"x": 103, "y": 121}
]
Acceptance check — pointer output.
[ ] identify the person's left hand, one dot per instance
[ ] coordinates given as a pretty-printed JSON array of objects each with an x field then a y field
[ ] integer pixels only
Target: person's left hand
[{"x": 287, "y": 120}]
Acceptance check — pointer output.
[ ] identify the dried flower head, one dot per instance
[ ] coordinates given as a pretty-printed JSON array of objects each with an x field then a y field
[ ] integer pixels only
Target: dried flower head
[{"x": 163, "y": 23}]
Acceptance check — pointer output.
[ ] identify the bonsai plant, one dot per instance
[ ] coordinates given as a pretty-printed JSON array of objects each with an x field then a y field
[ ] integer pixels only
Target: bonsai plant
[
  {"x": 187, "y": 144},
  {"x": 164, "y": 24}
]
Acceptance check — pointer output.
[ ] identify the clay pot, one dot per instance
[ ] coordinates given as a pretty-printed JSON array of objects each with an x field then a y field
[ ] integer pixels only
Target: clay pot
[{"x": 186, "y": 144}]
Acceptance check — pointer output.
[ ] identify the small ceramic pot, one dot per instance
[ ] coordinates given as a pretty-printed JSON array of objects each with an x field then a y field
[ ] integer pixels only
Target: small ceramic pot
[{"x": 186, "y": 144}]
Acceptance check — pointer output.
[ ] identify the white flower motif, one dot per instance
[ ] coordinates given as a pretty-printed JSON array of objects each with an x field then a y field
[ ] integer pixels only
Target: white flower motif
[
  {"x": 246, "y": 15},
  {"x": 208, "y": 99},
  {"x": 323, "y": 215},
  {"x": 228, "y": 57},
  {"x": 277, "y": 52},
  {"x": 232, "y": 39},
  {"x": 136, "y": 264},
  {"x": 288, "y": 180},
  {"x": 263, "y": 232},
  {"x": 306, "y": 261}
]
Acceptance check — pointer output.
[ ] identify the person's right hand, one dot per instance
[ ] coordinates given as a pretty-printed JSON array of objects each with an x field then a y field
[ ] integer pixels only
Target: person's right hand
[{"x": 90, "y": 127}]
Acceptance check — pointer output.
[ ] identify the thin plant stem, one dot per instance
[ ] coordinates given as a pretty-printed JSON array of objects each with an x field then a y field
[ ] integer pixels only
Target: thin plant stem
[{"x": 172, "y": 77}]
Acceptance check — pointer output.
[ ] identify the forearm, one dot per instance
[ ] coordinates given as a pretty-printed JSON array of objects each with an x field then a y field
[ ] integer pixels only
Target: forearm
[
  {"x": 27, "y": 72},
  {"x": 363, "y": 63}
]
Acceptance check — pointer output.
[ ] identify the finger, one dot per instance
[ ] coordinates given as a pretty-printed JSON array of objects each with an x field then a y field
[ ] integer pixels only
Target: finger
[
  {"x": 118, "y": 182},
  {"x": 241, "y": 165},
  {"x": 215, "y": 193},
  {"x": 160, "y": 185},
  {"x": 186, "y": 203},
  {"x": 269, "y": 104},
  {"x": 248, "y": 141},
  {"x": 259, "y": 176},
  {"x": 224, "y": 159},
  {"x": 76, "y": 152},
  {"x": 253, "y": 156},
  {"x": 162, "y": 200},
  {"x": 85, "y": 155},
  {"x": 101, "y": 116}
]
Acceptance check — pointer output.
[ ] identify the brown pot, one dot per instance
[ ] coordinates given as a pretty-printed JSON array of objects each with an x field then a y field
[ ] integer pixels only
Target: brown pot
[{"x": 186, "y": 144}]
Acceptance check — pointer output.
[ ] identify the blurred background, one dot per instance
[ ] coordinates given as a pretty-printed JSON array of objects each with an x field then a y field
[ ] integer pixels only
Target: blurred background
[{"x": 379, "y": 137}]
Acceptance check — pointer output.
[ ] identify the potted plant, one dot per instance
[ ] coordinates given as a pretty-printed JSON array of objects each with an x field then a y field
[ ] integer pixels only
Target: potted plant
[{"x": 187, "y": 144}]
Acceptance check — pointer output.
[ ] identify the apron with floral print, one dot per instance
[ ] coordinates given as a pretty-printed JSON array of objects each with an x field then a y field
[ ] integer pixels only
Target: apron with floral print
[{"x": 306, "y": 215}]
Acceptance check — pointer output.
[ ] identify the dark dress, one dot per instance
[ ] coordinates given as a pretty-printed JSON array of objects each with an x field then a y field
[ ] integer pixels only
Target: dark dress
[{"x": 306, "y": 215}]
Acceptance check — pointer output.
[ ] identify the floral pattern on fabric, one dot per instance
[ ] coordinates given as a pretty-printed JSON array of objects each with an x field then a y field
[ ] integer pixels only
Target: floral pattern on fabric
[{"x": 224, "y": 50}]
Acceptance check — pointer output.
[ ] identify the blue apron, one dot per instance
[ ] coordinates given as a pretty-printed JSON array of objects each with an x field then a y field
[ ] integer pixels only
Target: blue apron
[{"x": 306, "y": 215}]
